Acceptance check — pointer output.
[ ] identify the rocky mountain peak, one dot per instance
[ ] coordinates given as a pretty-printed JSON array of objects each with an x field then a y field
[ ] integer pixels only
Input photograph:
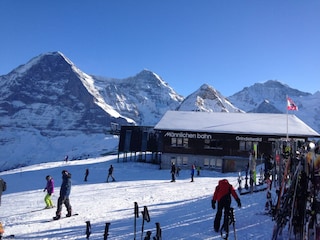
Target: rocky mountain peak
[
  {"x": 50, "y": 94},
  {"x": 207, "y": 99}
]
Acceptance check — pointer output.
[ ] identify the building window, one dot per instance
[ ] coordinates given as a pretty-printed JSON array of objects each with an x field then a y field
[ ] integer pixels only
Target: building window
[
  {"x": 212, "y": 162},
  {"x": 245, "y": 146},
  {"x": 219, "y": 162},
  {"x": 180, "y": 142},
  {"x": 186, "y": 142},
  {"x": 173, "y": 142},
  {"x": 179, "y": 161},
  {"x": 212, "y": 144},
  {"x": 185, "y": 160},
  {"x": 206, "y": 162}
]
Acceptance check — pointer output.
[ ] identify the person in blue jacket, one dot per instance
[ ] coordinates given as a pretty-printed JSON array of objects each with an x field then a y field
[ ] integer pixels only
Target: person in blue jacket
[{"x": 65, "y": 190}]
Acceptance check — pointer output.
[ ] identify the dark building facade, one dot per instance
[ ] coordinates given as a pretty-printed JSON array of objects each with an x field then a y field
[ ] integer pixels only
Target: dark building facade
[
  {"x": 227, "y": 141},
  {"x": 140, "y": 143}
]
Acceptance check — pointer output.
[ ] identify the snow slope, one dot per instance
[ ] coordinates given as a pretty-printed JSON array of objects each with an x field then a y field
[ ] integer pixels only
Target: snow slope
[{"x": 183, "y": 209}]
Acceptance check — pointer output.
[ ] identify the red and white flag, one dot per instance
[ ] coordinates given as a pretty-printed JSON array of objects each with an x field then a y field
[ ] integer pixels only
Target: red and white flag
[{"x": 291, "y": 105}]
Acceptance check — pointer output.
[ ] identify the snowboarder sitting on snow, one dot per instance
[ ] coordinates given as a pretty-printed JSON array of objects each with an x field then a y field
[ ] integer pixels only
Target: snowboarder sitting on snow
[
  {"x": 49, "y": 188},
  {"x": 65, "y": 190},
  {"x": 222, "y": 194}
]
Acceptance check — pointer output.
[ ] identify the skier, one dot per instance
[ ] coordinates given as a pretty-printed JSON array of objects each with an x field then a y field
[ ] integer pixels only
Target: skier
[
  {"x": 193, "y": 167},
  {"x": 173, "y": 172},
  {"x": 268, "y": 205},
  {"x": 198, "y": 170},
  {"x": 110, "y": 174},
  {"x": 3, "y": 187},
  {"x": 178, "y": 171},
  {"x": 86, "y": 175},
  {"x": 222, "y": 194},
  {"x": 50, "y": 189},
  {"x": 65, "y": 190}
]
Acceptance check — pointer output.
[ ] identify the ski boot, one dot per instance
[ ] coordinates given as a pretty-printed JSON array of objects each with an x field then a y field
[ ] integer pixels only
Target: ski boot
[{"x": 69, "y": 214}]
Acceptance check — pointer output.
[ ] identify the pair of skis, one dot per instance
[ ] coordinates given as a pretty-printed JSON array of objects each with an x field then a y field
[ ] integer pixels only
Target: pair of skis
[
  {"x": 286, "y": 204},
  {"x": 312, "y": 229}
]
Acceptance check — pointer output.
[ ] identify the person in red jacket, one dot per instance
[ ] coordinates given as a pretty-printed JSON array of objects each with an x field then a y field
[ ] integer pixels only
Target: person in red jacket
[{"x": 222, "y": 195}]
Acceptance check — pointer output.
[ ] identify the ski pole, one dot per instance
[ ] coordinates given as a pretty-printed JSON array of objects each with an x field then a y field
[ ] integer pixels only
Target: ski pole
[
  {"x": 145, "y": 217},
  {"x": 106, "y": 231},
  {"x": 136, "y": 215},
  {"x": 233, "y": 220},
  {"x": 148, "y": 235},
  {"x": 88, "y": 229},
  {"x": 158, "y": 234}
]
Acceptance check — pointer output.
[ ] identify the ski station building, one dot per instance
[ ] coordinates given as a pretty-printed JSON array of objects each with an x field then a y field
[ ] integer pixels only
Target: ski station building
[
  {"x": 226, "y": 141},
  {"x": 215, "y": 140}
]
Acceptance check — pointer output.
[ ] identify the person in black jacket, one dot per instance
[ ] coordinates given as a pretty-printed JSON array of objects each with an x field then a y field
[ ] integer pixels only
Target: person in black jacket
[
  {"x": 173, "y": 172},
  {"x": 65, "y": 190},
  {"x": 3, "y": 187},
  {"x": 110, "y": 174}
]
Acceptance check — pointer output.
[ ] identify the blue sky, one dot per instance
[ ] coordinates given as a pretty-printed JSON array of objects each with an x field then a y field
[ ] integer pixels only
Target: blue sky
[{"x": 228, "y": 44}]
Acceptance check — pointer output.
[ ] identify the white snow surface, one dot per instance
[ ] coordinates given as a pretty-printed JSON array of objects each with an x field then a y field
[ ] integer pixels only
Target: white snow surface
[{"x": 182, "y": 208}]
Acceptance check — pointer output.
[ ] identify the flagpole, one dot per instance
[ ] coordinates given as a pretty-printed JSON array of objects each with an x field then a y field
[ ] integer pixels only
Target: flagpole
[{"x": 287, "y": 119}]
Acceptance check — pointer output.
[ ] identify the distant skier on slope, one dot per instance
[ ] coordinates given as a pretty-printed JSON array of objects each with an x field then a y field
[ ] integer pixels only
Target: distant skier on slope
[
  {"x": 173, "y": 172},
  {"x": 65, "y": 190},
  {"x": 110, "y": 174},
  {"x": 193, "y": 167},
  {"x": 3, "y": 187},
  {"x": 222, "y": 194},
  {"x": 86, "y": 175}
]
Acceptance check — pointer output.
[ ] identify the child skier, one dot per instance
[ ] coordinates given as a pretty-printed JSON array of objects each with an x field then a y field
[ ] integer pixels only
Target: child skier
[{"x": 50, "y": 189}]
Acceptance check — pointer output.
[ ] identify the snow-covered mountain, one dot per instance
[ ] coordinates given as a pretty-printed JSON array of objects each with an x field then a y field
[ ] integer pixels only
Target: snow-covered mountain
[
  {"x": 49, "y": 108},
  {"x": 207, "y": 99},
  {"x": 144, "y": 97},
  {"x": 46, "y": 103},
  {"x": 53, "y": 96},
  {"x": 270, "y": 97}
]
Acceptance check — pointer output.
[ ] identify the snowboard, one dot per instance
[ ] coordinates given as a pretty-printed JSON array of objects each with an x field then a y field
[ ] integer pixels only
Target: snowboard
[
  {"x": 64, "y": 217},
  {"x": 8, "y": 237}
]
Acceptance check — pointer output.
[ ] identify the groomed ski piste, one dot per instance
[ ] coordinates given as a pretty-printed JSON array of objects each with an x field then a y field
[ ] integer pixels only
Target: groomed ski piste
[{"x": 182, "y": 208}]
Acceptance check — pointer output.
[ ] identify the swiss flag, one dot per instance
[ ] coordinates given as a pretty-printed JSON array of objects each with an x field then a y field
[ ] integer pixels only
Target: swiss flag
[{"x": 291, "y": 105}]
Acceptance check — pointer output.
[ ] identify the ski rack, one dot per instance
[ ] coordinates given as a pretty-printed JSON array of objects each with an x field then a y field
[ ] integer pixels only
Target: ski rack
[{"x": 298, "y": 202}]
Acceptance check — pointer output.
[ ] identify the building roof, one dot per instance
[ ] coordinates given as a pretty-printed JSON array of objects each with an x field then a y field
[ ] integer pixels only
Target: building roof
[{"x": 238, "y": 123}]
